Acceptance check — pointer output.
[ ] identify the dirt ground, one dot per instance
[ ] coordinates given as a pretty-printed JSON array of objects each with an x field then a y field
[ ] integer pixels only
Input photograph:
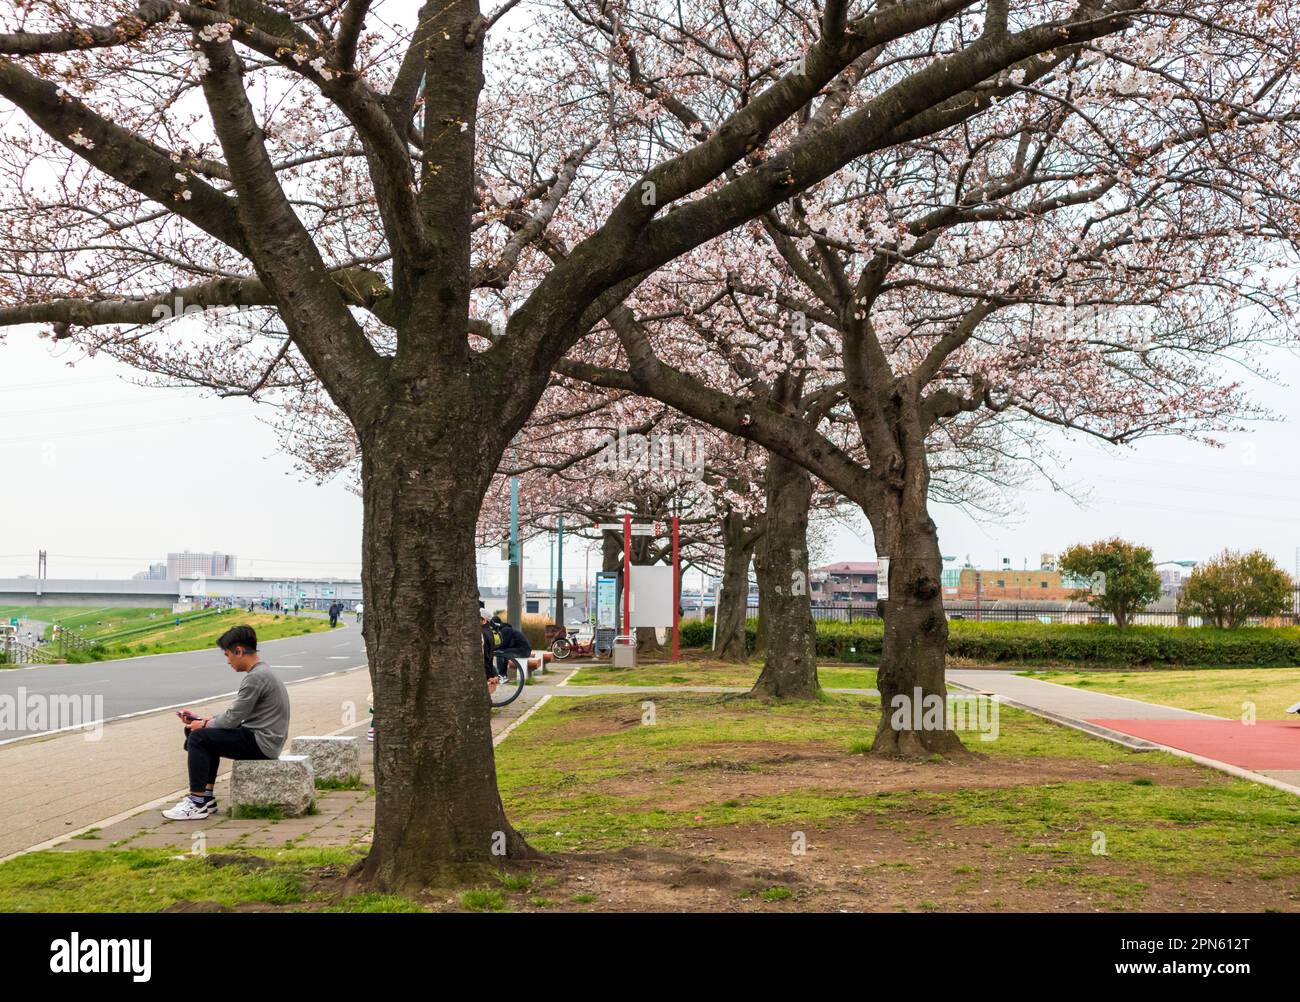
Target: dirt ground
[{"x": 899, "y": 861}]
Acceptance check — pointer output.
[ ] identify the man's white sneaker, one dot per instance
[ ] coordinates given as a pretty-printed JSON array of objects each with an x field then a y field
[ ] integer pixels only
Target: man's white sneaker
[{"x": 188, "y": 810}]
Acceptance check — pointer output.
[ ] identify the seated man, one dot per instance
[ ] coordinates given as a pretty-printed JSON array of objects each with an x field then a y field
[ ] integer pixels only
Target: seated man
[
  {"x": 513, "y": 645},
  {"x": 255, "y": 727}
]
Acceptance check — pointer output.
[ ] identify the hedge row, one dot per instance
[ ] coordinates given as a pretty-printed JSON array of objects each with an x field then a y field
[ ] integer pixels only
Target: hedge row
[{"x": 1030, "y": 643}]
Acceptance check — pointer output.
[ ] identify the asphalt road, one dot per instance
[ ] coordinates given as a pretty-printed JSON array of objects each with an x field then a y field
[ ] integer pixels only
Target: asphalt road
[{"x": 138, "y": 685}]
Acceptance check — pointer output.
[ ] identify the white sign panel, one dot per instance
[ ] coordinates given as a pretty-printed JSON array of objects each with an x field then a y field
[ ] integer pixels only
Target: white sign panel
[
  {"x": 652, "y": 595},
  {"x": 882, "y": 581}
]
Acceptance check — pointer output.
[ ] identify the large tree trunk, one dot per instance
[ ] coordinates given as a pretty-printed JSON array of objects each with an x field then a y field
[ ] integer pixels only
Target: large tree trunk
[
  {"x": 790, "y": 668},
  {"x": 438, "y": 816},
  {"x": 733, "y": 599},
  {"x": 913, "y": 694}
]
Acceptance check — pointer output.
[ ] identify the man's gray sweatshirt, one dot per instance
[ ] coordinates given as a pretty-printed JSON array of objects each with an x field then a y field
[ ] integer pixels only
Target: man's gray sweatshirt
[{"x": 261, "y": 705}]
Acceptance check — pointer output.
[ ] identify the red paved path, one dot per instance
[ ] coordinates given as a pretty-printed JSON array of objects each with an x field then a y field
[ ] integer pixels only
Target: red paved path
[{"x": 1266, "y": 744}]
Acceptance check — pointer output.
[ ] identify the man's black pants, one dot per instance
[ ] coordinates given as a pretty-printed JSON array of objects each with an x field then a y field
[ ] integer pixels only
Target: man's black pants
[{"x": 209, "y": 745}]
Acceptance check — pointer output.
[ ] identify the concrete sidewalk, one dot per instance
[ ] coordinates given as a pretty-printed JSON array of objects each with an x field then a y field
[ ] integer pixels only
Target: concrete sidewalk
[
  {"x": 1143, "y": 726},
  {"x": 111, "y": 793}
]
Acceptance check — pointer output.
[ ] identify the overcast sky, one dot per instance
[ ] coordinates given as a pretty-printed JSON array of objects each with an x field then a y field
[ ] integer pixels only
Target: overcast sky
[{"x": 108, "y": 476}]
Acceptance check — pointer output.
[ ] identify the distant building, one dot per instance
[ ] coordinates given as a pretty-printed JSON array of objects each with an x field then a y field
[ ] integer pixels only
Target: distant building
[
  {"x": 1021, "y": 586},
  {"x": 1173, "y": 575},
  {"x": 192, "y": 565},
  {"x": 850, "y": 582},
  {"x": 156, "y": 572}
]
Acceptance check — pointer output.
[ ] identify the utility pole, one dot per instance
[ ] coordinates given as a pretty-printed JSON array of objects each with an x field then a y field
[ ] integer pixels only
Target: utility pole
[
  {"x": 551, "y": 575},
  {"x": 514, "y": 607},
  {"x": 42, "y": 570},
  {"x": 559, "y": 574}
]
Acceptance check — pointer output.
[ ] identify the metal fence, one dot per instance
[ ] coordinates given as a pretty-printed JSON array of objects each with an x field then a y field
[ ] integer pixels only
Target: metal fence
[{"x": 1011, "y": 612}]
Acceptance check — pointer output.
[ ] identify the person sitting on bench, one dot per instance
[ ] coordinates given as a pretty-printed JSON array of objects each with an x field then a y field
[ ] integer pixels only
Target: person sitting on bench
[
  {"x": 255, "y": 727},
  {"x": 513, "y": 645}
]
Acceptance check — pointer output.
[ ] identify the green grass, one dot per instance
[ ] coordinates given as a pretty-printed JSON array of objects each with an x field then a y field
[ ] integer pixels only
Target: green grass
[
  {"x": 711, "y": 672},
  {"x": 1220, "y": 692},
  {"x": 348, "y": 783},
  {"x": 483, "y": 900},
  {"x": 203, "y": 633},
  {"x": 516, "y": 881},
  {"x": 775, "y": 894},
  {"x": 151, "y": 879},
  {"x": 576, "y": 776}
]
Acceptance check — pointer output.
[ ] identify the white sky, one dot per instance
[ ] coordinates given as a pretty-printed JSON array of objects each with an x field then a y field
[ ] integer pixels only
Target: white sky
[{"x": 109, "y": 477}]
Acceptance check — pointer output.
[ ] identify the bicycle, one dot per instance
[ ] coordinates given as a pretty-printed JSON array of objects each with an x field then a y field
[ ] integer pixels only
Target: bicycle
[
  {"x": 510, "y": 685},
  {"x": 571, "y": 642}
]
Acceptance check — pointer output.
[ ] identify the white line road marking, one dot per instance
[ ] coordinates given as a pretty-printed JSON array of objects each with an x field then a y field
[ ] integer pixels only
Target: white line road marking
[
  {"x": 89, "y": 725},
  {"x": 286, "y": 666},
  {"x": 338, "y": 657}
]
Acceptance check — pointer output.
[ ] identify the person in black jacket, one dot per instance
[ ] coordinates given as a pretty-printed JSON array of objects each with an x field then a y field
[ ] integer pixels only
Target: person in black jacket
[
  {"x": 489, "y": 642},
  {"x": 513, "y": 644}
]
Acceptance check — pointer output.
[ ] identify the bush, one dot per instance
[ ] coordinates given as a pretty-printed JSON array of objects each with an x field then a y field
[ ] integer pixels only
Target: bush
[
  {"x": 1234, "y": 587},
  {"x": 1123, "y": 576},
  {"x": 1038, "y": 643}
]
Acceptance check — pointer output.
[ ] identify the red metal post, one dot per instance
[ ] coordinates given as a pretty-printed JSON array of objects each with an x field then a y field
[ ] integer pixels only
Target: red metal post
[
  {"x": 677, "y": 588},
  {"x": 627, "y": 574}
]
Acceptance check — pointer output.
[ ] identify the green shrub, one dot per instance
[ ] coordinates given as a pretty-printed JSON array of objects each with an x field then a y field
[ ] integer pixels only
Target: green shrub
[{"x": 1036, "y": 643}]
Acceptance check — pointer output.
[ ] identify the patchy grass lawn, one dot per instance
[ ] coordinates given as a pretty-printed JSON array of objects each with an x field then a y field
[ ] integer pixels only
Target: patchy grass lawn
[
  {"x": 1219, "y": 691},
  {"x": 725, "y": 803},
  {"x": 707, "y": 671},
  {"x": 708, "y": 807},
  {"x": 149, "y": 880}
]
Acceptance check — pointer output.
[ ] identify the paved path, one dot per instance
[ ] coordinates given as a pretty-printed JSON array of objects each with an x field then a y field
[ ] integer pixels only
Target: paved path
[
  {"x": 139, "y": 685},
  {"x": 1266, "y": 751},
  {"x": 55, "y": 787}
]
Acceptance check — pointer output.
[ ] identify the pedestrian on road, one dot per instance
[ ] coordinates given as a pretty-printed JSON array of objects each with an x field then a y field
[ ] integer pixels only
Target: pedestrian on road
[
  {"x": 359, "y": 609},
  {"x": 334, "y": 615},
  {"x": 255, "y": 727}
]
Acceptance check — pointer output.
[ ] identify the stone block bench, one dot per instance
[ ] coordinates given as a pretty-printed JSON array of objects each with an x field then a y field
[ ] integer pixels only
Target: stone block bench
[
  {"x": 332, "y": 758},
  {"x": 286, "y": 783}
]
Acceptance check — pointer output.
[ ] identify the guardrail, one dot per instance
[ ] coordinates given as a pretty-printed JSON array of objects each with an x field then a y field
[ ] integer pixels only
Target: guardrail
[{"x": 19, "y": 652}]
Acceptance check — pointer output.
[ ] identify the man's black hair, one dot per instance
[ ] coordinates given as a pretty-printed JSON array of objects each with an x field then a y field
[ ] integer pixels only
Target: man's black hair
[{"x": 244, "y": 636}]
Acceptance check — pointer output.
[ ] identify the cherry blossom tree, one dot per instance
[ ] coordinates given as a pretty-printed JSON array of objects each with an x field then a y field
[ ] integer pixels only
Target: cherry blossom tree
[
  {"x": 436, "y": 212},
  {"x": 1086, "y": 255}
]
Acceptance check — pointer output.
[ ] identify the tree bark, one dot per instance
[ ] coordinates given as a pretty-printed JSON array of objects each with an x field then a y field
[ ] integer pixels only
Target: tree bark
[
  {"x": 790, "y": 667},
  {"x": 438, "y": 815},
  {"x": 733, "y": 599},
  {"x": 913, "y": 693}
]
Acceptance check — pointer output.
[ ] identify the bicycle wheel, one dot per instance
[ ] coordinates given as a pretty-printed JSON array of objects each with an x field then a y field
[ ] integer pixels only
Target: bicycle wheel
[
  {"x": 561, "y": 648},
  {"x": 509, "y": 688}
]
